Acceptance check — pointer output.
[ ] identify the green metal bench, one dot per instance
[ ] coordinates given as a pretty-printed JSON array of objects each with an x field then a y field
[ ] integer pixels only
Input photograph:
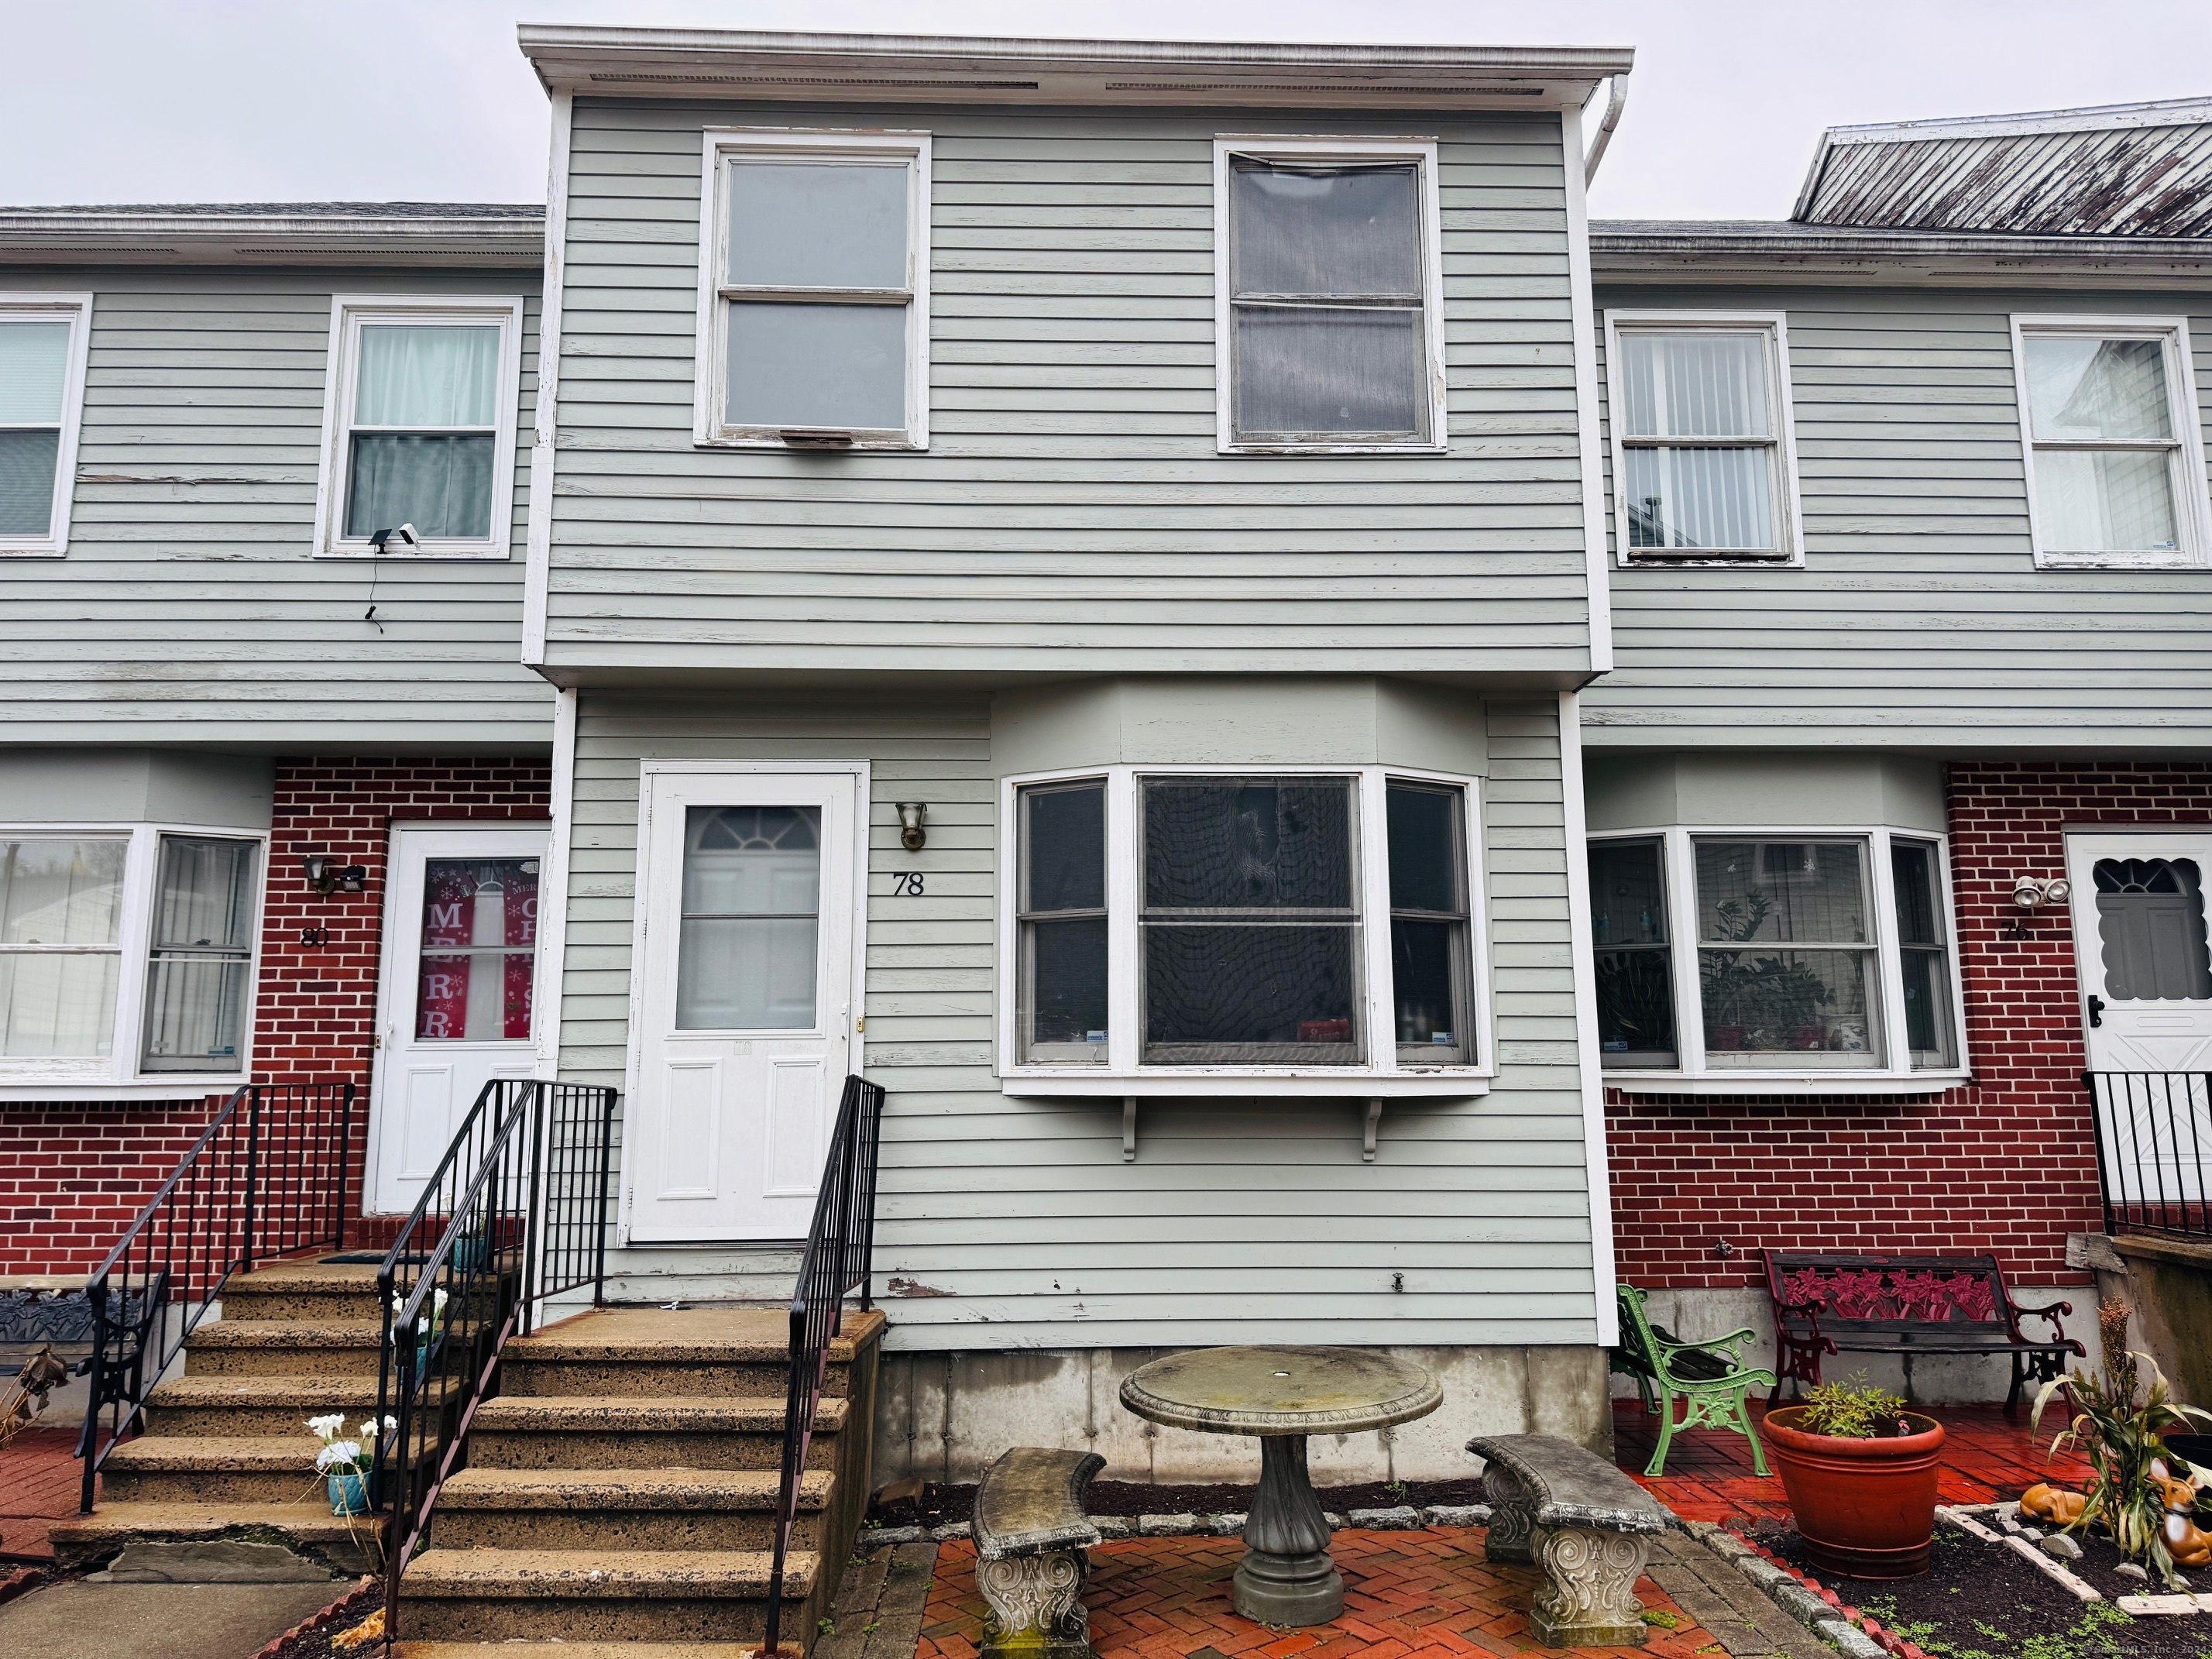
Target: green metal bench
[{"x": 1709, "y": 1378}]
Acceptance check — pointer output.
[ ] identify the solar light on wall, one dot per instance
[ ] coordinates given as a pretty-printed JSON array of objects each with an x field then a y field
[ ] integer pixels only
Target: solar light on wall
[
  {"x": 912, "y": 836},
  {"x": 327, "y": 876}
]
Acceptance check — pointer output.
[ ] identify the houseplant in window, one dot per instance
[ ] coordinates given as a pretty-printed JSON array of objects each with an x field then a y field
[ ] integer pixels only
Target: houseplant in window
[
  {"x": 1762, "y": 1002},
  {"x": 1860, "y": 1471}
]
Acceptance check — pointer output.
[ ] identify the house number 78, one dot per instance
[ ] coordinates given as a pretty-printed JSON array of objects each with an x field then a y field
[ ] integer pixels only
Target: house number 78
[{"x": 907, "y": 884}]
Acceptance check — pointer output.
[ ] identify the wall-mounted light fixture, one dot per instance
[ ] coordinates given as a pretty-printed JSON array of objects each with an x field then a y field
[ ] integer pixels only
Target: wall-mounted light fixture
[
  {"x": 2030, "y": 894},
  {"x": 912, "y": 836},
  {"x": 327, "y": 876}
]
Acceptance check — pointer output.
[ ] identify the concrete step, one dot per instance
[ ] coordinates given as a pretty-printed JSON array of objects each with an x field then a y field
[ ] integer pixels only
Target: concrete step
[
  {"x": 283, "y": 1347},
  {"x": 212, "y": 1469},
  {"x": 303, "y": 1290},
  {"x": 238, "y": 1407},
  {"x": 708, "y": 1510},
  {"x": 677, "y": 1431},
  {"x": 596, "y": 1596},
  {"x": 711, "y": 1348},
  {"x": 349, "y": 1545}
]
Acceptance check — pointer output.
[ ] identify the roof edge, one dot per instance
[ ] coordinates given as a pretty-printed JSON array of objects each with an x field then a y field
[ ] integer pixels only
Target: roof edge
[
  {"x": 1710, "y": 249},
  {"x": 91, "y": 235}
]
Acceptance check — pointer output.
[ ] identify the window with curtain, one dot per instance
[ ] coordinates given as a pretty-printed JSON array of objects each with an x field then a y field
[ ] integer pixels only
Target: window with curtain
[
  {"x": 37, "y": 394},
  {"x": 817, "y": 299},
  {"x": 61, "y": 945},
  {"x": 424, "y": 430},
  {"x": 1698, "y": 429},
  {"x": 1328, "y": 299},
  {"x": 2110, "y": 464},
  {"x": 200, "y": 955}
]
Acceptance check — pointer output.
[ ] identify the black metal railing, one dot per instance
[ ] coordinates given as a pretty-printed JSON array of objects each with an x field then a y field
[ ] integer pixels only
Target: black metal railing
[
  {"x": 2153, "y": 1134},
  {"x": 515, "y": 1213},
  {"x": 266, "y": 1178},
  {"x": 840, "y": 1247}
]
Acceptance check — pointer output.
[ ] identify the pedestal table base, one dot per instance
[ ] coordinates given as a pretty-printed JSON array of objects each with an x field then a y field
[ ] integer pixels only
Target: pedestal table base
[{"x": 1286, "y": 1576}]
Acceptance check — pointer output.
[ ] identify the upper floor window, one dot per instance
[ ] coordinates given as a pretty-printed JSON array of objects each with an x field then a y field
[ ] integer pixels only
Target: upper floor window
[
  {"x": 1703, "y": 460},
  {"x": 42, "y": 357},
  {"x": 418, "y": 426},
  {"x": 1329, "y": 276},
  {"x": 2115, "y": 456},
  {"x": 813, "y": 292}
]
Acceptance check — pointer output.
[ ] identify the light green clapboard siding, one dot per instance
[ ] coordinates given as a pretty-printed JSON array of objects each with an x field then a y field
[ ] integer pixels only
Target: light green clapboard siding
[
  {"x": 1919, "y": 620},
  {"x": 1071, "y": 512},
  {"x": 188, "y": 609},
  {"x": 1258, "y": 1215}
]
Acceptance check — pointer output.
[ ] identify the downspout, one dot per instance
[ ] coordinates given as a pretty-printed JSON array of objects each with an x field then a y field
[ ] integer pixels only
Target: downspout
[{"x": 1616, "y": 101}]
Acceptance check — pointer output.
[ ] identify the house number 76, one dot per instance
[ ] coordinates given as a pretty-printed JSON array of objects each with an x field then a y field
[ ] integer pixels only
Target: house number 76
[{"x": 907, "y": 884}]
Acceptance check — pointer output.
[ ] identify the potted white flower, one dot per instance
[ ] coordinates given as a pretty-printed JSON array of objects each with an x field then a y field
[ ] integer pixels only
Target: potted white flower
[
  {"x": 426, "y": 1330},
  {"x": 344, "y": 1464}
]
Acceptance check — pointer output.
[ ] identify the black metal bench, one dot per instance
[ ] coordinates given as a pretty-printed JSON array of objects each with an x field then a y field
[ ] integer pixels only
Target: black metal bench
[
  {"x": 1915, "y": 1306},
  {"x": 1032, "y": 1542}
]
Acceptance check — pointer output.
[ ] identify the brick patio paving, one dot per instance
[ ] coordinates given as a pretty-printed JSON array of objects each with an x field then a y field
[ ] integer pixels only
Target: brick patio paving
[{"x": 38, "y": 1485}]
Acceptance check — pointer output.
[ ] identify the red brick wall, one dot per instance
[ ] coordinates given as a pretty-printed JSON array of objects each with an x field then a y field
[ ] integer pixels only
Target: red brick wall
[
  {"x": 73, "y": 1176},
  {"x": 2006, "y": 1164}
]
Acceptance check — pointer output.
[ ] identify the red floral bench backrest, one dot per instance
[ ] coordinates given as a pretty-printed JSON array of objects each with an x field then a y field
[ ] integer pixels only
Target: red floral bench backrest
[{"x": 1893, "y": 1292}]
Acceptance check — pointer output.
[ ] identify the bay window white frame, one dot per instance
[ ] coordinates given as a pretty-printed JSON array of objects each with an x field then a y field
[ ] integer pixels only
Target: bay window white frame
[
  {"x": 710, "y": 391},
  {"x": 1380, "y": 1075},
  {"x": 1320, "y": 152},
  {"x": 2193, "y": 504},
  {"x": 75, "y": 310},
  {"x": 1783, "y": 498},
  {"x": 348, "y": 313},
  {"x": 1691, "y": 1074},
  {"x": 121, "y": 1074}
]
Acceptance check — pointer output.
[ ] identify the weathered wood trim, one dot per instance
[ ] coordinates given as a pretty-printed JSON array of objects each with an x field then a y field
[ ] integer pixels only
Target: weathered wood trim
[
  {"x": 77, "y": 310},
  {"x": 537, "y": 546}
]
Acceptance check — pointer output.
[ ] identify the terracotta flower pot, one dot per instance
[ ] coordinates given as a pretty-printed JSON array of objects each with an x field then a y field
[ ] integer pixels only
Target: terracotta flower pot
[{"x": 1865, "y": 1507}]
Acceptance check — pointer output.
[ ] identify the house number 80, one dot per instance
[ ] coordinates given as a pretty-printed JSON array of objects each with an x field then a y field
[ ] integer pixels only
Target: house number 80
[{"x": 907, "y": 884}]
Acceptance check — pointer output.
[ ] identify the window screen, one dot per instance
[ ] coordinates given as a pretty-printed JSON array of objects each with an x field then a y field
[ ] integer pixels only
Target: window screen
[
  {"x": 424, "y": 427},
  {"x": 1063, "y": 923},
  {"x": 1634, "y": 957},
  {"x": 1430, "y": 967},
  {"x": 1698, "y": 429},
  {"x": 34, "y": 356},
  {"x": 2102, "y": 425},
  {"x": 1785, "y": 958},
  {"x": 1923, "y": 957},
  {"x": 201, "y": 955}
]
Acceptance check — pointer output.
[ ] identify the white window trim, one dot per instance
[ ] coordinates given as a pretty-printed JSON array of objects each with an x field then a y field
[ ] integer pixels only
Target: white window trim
[
  {"x": 347, "y": 312},
  {"x": 1789, "y": 510},
  {"x": 1681, "y": 875},
  {"x": 1123, "y": 1075},
  {"x": 2192, "y": 506},
  {"x": 74, "y": 309},
  {"x": 1264, "y": 147},
  {"x": 121, "y": 1076},
  {"x": 709, "y": 376}
]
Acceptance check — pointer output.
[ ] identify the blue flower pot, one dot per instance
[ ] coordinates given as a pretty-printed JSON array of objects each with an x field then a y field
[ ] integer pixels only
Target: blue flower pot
[
  {"x": 470, "y": 1254},
  {"x": 349, "y": 1491}
]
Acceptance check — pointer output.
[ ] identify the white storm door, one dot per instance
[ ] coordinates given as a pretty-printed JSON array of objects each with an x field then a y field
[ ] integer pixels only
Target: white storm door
[
  {"x": 745, "y": 994},
  {"x": 2144, "y": 951},
  {"x": 456, "y": 996}
]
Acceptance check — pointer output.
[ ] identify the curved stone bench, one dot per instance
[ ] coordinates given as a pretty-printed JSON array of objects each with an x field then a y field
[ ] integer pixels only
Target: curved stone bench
[
  {"x": 1583, "y": 1521},
  {"x": 1031, "y": 1538}
]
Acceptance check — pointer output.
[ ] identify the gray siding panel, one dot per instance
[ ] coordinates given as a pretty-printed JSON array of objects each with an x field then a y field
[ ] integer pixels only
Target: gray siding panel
[
  {"x": 188, "y": 609},
  {"x": 1919, "y": 619},
  {"x": 1070, "y": 511}
]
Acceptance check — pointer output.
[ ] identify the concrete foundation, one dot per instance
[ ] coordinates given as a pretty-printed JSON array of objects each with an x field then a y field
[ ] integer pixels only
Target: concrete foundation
[
  {"x": 943, "y": 1416},
  {"x": 2167, "y": 1286}
]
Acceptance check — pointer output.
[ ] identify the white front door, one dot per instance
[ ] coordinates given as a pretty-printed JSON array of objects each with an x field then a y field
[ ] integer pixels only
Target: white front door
[
  {"x": 456, "y": 996},
  {"x": 745, "y": 994},
  {"x": 2144, "y": 951}
]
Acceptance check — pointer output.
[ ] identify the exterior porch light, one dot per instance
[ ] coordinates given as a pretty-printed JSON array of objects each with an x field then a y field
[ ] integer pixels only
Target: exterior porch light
[
  {"x": 327, "y": 876},
  {"x": 912, "y": 836},
  {"x": 2030, "y": 894}
]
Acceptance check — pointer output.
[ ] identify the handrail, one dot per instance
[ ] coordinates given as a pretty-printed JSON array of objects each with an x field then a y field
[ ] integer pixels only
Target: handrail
[
  {"x": 263, "y": 1182},
  {"x": 514, "y": 1213},
  {"x": 840, "y": 1251},
  {"x": 2153, "y": 1140}
]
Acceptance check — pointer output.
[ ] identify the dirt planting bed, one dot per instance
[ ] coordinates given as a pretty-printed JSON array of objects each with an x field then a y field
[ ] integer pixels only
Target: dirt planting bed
[{"x": 941, "y": 1505}]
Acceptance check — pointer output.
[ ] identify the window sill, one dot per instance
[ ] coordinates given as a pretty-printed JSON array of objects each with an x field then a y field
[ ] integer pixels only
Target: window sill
[
  {"x": 2181, "y": 561},
  {"x": 1788, "y": 1083},
  {"x": 1650, "y": 559},
  {"x": 427, "y": 551},
  {"x": 1351, "y": 447},
  {"x": 1345, "y": 1085},
  {"x": 181, "y": 1086},
  {"x": 32, "y": 550},
  {"x": 905, "y": 444}
]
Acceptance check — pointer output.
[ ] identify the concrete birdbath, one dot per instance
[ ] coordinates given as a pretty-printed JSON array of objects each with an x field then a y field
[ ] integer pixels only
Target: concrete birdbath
[{"x": 1282, "y": 1395}]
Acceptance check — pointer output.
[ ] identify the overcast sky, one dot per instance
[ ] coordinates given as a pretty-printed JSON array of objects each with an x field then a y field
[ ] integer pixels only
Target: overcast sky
[{"x": 167, "y": 101}]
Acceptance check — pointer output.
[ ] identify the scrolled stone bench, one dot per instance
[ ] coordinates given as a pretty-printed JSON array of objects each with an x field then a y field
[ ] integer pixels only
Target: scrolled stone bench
[
  {"x": 1032, "y": 1538},
  {"x": 1584, "y": 1523}
]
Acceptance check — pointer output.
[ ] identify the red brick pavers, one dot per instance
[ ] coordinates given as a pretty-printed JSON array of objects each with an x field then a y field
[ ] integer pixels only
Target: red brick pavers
[
  {"x": 1986, "y": 1456},
  {"x": 1407, "y": 1596},
  {"x": 40, "y": 1479}
]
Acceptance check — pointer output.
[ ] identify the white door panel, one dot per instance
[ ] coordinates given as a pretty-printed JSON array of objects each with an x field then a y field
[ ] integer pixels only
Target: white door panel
[{"x": 744, "y": 995}]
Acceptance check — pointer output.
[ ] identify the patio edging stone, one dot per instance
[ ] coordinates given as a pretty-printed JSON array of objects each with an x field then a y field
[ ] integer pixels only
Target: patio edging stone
[{"x": 1814, "y": 1606}]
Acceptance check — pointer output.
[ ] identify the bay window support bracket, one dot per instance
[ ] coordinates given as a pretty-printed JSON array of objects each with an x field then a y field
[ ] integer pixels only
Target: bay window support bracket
[
  {"x": 1367, "y": 1137},
  {"x": 1128, "y": 1128}
]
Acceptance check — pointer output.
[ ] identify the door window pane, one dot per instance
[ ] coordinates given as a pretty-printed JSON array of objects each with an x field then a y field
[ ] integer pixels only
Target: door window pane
[
  {"x": 1779, "y": 984},
  {"x": 812, "y": 224},
  {"x": 1923, "y": 958},
  {"x": 752, "y": 885},
  {"x": 1634, "y": 961},
  {"x": 840, "y": 366},
  {"x": 479, "y": 948},
  {"x": 200, "y": 951},
  {"x": 1431, "y": 971},
  {"x": 1063, "y": 923},
  {"x": 2150, "y": 929}
]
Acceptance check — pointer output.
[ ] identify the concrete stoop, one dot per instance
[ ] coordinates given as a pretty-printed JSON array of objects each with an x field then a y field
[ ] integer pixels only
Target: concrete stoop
[
  {"x": 226, "y": 1453},
  {"x": 621, "y": 1491}
]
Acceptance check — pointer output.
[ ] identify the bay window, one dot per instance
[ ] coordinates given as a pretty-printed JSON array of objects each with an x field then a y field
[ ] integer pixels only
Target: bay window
[
  {"x": 1790, "y": 953},
  {"x": 1289, "y": 923},
  {"x": 43, "y": 341}
]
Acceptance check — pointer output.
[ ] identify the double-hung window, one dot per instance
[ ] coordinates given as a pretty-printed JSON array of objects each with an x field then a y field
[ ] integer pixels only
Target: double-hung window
[
  {"x": 42, "y": 360},
  {"x": 1730, "y": 955},
  {"x": 1328, "y": 282},
  {"x": 1189, "y": 923},
  {"x": 813, "y": 290},
  {"x": 126, "y": 953},
  {"x": 418, "y": 426},
  {"x": 1703, "y": 457},
  {"x": 2115, "y": 453}
]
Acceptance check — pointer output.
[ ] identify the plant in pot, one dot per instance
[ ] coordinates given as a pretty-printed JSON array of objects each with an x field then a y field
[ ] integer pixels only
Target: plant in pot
[
  {"x": 1757, "y": 1002},
  {"x": 1860, "y": 1470},
  {"x": 344, "y": 1465}
]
